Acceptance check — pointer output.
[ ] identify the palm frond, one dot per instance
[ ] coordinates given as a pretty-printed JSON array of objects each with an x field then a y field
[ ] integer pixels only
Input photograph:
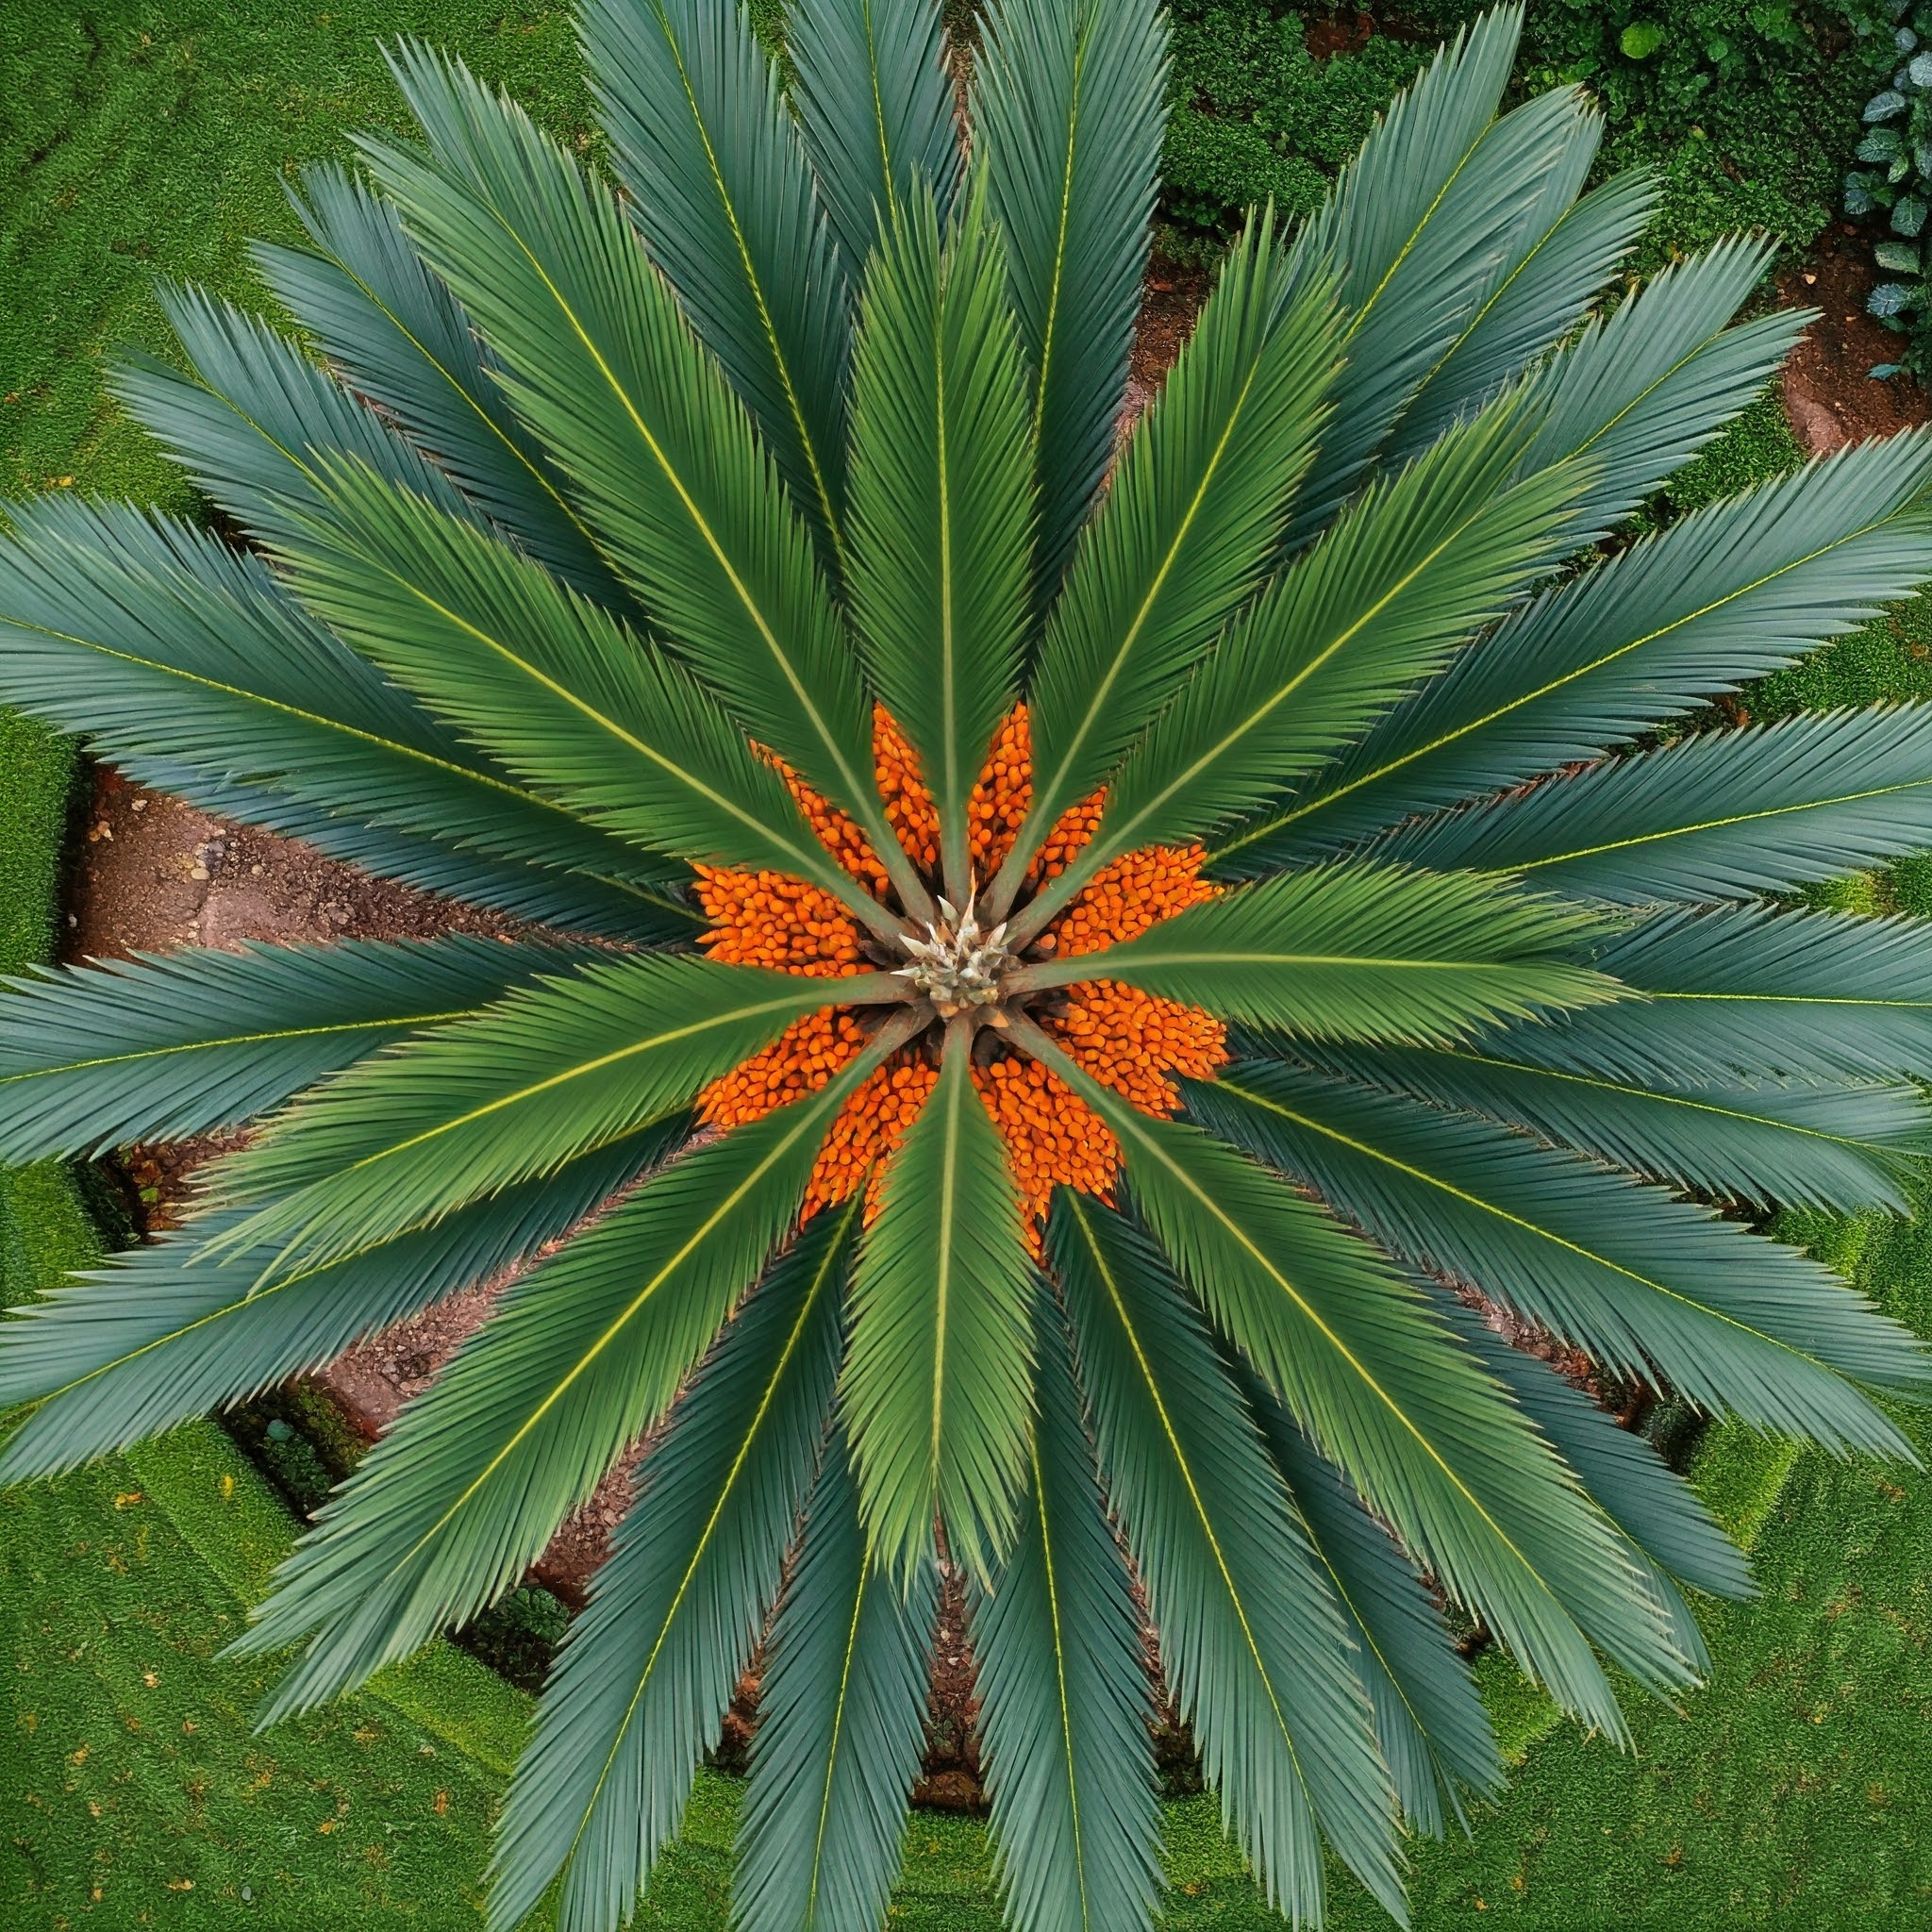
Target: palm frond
[
  {"x": 582, "y": 1355},
  {"x": 1064, "y": 1690},
  {"x": 1717, "y": 815},
  {"x": 938, "y": 1390},
  {"x": 1661, "y": 1512},
  {"x": 1188, "y": 525},
  {"x": 1392, "y": 1399},
  {"x": 875, "y": 107},
  {"x": 1728, "y": 593},
  {"x": 1557, "y": 261},
  {"x": 1639, "y": 395},
  {"x": 640, "y": 1686},
  {"x": 1753, "y": 993},
  {"x": 166, "y": 1333},
  {"x": 1768, "y": 1144},
  {"x": 599, "y": 360},
  {"x": 249, "y": 422},
  {"x": 843, "y": 1703},
  {"x": 548, "y": 1074},
  {"x": 1253, "y": 1639},
  {"x": 1358, "y": 952},
  {"x": 1406, "y": 575},
  {"x": 570, "y": 702},
  {"x": 1653, "y": 1288},
  {"x": 1522, "y": 1371},
  {"x": 159, "y": 1048},
  {"x": 1068, "y": 111},
  {"x": 365, "y": 297},
  {"x": 184, "y": 659},
  {"x": 1421, "y": 228},
  {"x": 943, "y": 499},
  {"x": 1430, "y": 1723},
  {"x": 717, "y": 182}
]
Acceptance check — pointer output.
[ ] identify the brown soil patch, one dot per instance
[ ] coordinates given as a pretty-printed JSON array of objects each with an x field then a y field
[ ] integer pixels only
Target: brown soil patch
[
  {"x": 1170, "y": 301},
  {"x": 1343, "y": 32},
  {"x": 1829, "y": 391}
]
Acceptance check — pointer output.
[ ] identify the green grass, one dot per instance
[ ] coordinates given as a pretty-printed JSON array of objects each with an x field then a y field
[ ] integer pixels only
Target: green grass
[{"x": 144, "y": 139}]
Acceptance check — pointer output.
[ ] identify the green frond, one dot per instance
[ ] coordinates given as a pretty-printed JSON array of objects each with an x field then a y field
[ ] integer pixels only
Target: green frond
[
  {"x": 1404, "y": 579},
  {"x": 938, "y": 1390},
  {"x": 364, "y": 295},
  {"x": 1253, "y": 1639},
  {"x": 1656, "y": 1507},
  {"x": 599, "y": 360},
  {"x": 1420, "y": 228},
  {"x": 717, "y": 183},
  {"x": 1063, "y": 1693},
  {"x": 874, "y": 105},
  {"x": 166, "y": 1333},
  {"x": 843, "y": 1725},
  {"x": 1768, "y": 1143},
  {"x": 1751, "y": 992},
  {"x": 1717, "y": 815},
  {"x": 1068, "y": 110},
  {"x": 580, "y": 1357},
  {"x": 1556, "y": 262},
  {"x": 1430, "y": 1723},
  {"x": 1189, "y": 522},
  {"x": 943, "y": 499},
  {"x": 1389, "y": 1395},
  {"x": 1359, "y": 952},
  {"x": 249, "y": 420},
  {"x": 162, "y": 1046},
  {"x": 187, "y": 664},
  {"x": 1657, "y": 1289},
  {"x": 1729, "y": 593},
  {"x": 570, "y": 701},
  {"x": 1639, "y": 395},
  {"x": 548, "y": 1074},
  {"x": 641, "y": 1687}
]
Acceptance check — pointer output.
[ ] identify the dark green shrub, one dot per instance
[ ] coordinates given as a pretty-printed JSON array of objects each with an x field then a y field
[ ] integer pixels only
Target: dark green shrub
[
  {"x": 1255, "y": 115},
  {"x": 518, "y": 1637},
  {"x": 1895, "y": 175},
  {"x": 1743, "y": 111}
]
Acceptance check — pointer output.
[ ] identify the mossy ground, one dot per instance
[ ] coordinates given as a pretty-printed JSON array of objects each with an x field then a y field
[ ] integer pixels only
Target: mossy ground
[{"x": 141, "y": 141}]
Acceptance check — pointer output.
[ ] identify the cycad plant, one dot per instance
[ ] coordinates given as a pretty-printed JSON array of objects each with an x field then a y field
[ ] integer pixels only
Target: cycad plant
[{"x": 1063, "y": 1000}]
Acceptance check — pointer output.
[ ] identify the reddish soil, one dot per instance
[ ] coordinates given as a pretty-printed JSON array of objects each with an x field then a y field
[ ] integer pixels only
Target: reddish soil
[
  {"x": 1169, "y": 303},
  {"x": 1829, "y": 391},
  {"x": 152, "y": 875},
  {"x": 1346, "y": 31}
]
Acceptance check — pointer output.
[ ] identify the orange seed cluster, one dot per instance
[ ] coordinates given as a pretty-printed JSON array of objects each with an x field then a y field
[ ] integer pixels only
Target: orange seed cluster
[
  {"x": 1052, "y": 1135},
  {"x": 771, "y": 920},
  {"x": 1136, "y": 891},
  {"x": 1133, "y": 1042}
]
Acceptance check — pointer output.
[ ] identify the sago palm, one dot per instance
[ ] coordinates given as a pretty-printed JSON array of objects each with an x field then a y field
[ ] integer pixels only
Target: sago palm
[{"x": 1065, "y": 999}]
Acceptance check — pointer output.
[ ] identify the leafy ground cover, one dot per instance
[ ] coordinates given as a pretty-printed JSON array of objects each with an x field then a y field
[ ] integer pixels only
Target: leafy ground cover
[
  {"x": 140, "y": 143},
  {"x": 1745, "y": 113}
]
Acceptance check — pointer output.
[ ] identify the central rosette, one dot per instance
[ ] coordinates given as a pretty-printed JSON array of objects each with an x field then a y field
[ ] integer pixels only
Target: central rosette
[
  {"x": 960, "y": 965},
  {"x": 958, "y": 970}
]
